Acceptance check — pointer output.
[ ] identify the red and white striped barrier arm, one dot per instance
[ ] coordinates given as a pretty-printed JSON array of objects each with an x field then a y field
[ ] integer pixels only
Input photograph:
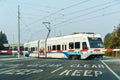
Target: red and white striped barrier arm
[{"x": 94, "y": 50}]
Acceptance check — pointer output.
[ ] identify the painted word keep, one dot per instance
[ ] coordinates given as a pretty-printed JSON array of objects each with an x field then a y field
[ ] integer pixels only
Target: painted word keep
[{"x": 85, "y": 73}]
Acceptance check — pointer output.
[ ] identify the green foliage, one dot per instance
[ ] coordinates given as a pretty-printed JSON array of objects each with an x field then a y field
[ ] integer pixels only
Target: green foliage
[
  {"x": 75, "y": 33},
  {"x": 112, "y": 41},
  {"x": 118, "y": 30},
  {"x": 3, "y": 40}
]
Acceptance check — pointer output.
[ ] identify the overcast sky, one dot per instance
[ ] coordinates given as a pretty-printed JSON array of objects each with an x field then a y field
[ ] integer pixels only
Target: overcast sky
[{"x": 65, "y": 16}]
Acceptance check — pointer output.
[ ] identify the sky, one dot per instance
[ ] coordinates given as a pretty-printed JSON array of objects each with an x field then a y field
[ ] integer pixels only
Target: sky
[{"x": 64, "y": 16}]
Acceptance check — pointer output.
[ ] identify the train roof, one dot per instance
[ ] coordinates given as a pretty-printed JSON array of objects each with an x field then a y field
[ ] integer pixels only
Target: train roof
[
  {"x": 76, "y": 35},
  {"x": 82, "y": 34}
]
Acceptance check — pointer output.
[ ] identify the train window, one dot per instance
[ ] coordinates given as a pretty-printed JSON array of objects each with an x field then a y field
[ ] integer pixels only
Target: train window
[
  {"x": 77, "y": 45},
  {"x": 84, "y": 45},
  {"x": 62, "y": 47},
  {"x": 33, "y": 48},
  {"x": 71, "y": 45},
  {"x": 65, "y": 47},
  {"x": 54, "y": 47},
  {"x": 95, "y": 42},
  {"x": 58, "y": 47},
  {"x": 26, "y": 48},
  {"x": 48, "y": 47}
]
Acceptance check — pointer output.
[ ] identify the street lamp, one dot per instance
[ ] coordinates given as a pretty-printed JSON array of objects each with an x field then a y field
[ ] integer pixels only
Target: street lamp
[{"x": 47, "y": 25}]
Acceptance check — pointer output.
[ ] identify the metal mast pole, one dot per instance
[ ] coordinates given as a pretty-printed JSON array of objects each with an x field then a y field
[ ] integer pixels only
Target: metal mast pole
[
  {"x": 18, "y": 31},
  {"x": 49, "y": 29},
  {"x": 38, "y": 49}
]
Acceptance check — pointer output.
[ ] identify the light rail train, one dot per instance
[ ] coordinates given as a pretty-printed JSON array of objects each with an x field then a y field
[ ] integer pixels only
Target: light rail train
[{"x": 76, "y": 46}]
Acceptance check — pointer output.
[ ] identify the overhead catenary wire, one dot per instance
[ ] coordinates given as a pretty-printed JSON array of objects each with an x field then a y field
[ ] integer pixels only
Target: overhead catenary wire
[
  {"x": 43, "y": 18},
  {"x": 85, "y": 14},
  {"x": 59, "y": 11},
  {"x": 82, "y": 20},
  {"x": 91, "y": 7},
  {"x": 67, "y": 8},
  {"x": 40, "y": 5},
  {"x": 86, "y": 9},
  {"x": 86, "y": 19}
]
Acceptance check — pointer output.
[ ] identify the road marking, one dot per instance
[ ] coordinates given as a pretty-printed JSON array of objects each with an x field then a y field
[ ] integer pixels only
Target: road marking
[
  {"x": 115, "y": 74},
  {"x": 84, "y": 73},
  {"x": 87, "y": 66},
  {"x": 113, "y": 60},
  {"x": 57, "y": 70},
  {"x": 21, "y": 71},
  {"x": 7, "y": 68}
]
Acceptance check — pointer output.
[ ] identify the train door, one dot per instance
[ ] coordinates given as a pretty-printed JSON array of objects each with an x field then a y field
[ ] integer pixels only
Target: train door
[{"x": 84, "y": 46}]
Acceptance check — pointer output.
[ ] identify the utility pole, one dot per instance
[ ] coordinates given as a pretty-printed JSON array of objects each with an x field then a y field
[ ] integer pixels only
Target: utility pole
[
  {"x": 18, "y": 31},
  {"x": 38, "y": 49},
  {"x": 13, "y": 46},
  {"x": 47, "y": 25},
  {"x": 114, "y": 31}
]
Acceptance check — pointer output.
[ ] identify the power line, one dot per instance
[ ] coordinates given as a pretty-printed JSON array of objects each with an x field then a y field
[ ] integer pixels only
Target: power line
[
  {"x": 102, "y": 15},
  {"x": 85, "y": 14},
  {"x": 76, "y": 12},
  {"x": 91, "y": 12},
  {"x": 59, "y": 11},
  {"x": 44, "y": 6},
  {"x": 76, "y": 4},
  {"x": 91, "y": 7},
  {"x": 85, "y": 19}
]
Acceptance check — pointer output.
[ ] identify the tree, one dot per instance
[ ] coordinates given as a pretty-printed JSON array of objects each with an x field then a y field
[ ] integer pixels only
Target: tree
[
  {"x": 112, "y": 41},
  {"x": 3, "y": 40},
  {"x": 75, "y": 33},
  {"x": 107, "y": 40},
  {"x": 118, "y": 30}
]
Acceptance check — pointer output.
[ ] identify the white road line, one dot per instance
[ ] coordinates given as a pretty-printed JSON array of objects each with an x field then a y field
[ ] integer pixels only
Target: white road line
[
  {"x": 7, "y": 68},
  {"x": 115, "y": 74},
  {"x": 57, "y": 70}
]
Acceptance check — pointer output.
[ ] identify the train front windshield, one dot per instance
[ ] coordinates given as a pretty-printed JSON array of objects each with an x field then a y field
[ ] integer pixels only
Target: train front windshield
[{"x": 95, "y": 42}]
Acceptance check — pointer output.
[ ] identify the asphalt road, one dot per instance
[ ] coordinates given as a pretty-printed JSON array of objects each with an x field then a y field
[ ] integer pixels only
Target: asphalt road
[{"x": 59, "y": 69}]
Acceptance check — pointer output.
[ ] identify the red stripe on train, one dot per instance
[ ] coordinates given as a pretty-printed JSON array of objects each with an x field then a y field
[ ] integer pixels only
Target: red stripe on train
[
  {"x": 86, "y": 50},
  {"x": 71, "y": 50}
]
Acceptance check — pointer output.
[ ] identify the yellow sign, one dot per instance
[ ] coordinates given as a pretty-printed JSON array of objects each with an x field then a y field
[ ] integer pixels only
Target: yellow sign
[{"x": 94, "y": 38}]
